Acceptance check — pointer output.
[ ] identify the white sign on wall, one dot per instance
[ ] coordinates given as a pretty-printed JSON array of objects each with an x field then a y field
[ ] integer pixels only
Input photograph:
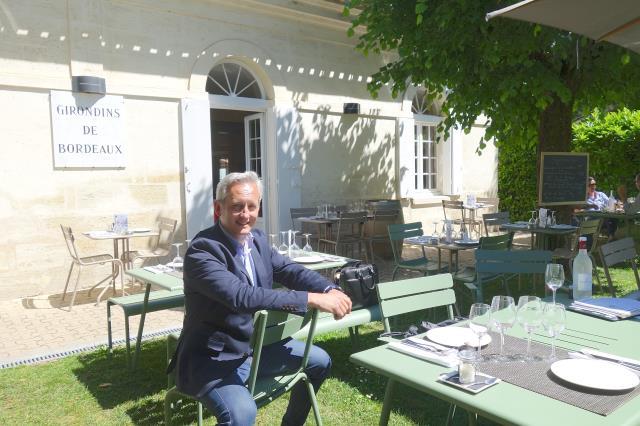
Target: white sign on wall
[{"x": 87, "y": 130}]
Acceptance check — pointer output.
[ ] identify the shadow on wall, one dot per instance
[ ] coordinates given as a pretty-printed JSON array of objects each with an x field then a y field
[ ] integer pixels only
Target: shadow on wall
[{"x": 344, "y": 157}]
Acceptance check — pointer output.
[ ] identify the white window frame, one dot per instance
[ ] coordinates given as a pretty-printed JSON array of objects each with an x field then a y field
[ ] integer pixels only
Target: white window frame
[{"x": 420, "y": 120}]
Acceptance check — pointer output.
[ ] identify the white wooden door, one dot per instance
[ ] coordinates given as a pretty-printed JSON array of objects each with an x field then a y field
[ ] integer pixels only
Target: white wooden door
[
  {"x": 254, "y": 149},
  {"x": 196, "y": 148}
]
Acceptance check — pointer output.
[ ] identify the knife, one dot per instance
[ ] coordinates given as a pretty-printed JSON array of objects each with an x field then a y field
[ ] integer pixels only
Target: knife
[{"x": 629, "y": 363}]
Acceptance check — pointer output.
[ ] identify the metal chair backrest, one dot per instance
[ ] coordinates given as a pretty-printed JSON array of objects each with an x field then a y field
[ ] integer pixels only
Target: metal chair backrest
[
  {"x": 494, "y": 219},
  {"x": 166, "y": 229},
  {"x": 617, "y": 252},
  {"x": 385, "y": 215},
  {"x": 415, "y": 294},
  {"x": 398, "y": 232},
  {"x": 512, "y": 261},
  {"x": 70, "y": 240},
  {"x": 456, "y": 211},
  {"x": 298, "y": 212},
  {"x": 273, "y": 326},
  {"x": 346, "y": 223},
  {"x": 588, "y": 227},
  {"x": 497, "y": 242}
]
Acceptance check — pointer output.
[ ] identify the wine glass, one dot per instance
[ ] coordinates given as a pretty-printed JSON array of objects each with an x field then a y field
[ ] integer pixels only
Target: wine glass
[
  {"x": 273, "y": 241},
  {"x": 178, "y": 260},
  {"x": 295, "y": 248},
  {"x": 554, "y": 318},
  {"x": 435, "y": 228},
  {"x": 307, "y": 247},
  {"x": 283, "y": 246},
  {"x": 530, "y": 318},
  {"x": 554, "y": 277},
  {"x": 503, "y": 316},
  {"x": 479, "y": 321},
  {"x": 534, "y": 219}
]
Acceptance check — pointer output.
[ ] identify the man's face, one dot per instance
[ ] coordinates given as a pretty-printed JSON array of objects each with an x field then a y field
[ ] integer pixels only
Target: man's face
[{"x": 239, "y": 210}]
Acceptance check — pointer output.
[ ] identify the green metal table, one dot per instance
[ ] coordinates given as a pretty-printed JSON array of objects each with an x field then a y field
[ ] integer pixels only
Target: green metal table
[
  {"x": 509, "y": 404},
  {"x": 173, "y": 283},
  {"x": 541, "y": 234},
  {"x": 629, "y": 219}
]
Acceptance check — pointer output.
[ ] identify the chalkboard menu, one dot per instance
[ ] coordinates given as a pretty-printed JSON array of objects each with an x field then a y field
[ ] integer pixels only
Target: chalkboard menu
[{"x": 563, "y": 178}]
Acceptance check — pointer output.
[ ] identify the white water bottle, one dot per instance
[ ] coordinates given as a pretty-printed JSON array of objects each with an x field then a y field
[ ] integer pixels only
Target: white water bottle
[
  {"x": 611, "y": 205},
  {"x": 582, "y": 270}
]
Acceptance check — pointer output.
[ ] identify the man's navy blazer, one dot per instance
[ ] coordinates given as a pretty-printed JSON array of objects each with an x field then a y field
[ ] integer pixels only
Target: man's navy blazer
[{"x": 220, "y": 302}]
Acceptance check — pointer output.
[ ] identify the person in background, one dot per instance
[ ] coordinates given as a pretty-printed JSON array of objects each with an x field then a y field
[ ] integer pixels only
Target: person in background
[
  {"x": 597, "y": 200},
  {"x": 633, "y": 207},
  {"x": 229, "y": 271}
]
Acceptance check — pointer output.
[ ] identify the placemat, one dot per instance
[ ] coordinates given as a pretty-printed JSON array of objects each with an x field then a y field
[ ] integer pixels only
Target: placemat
[{"x": 537, "y": 377}]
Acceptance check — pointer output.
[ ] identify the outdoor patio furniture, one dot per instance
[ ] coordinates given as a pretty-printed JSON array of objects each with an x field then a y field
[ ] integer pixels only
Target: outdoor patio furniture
[
  {"x": 512, "y": 262},
  {"x": 269, "y": 327},
  {"x": 397, "y": 234},
  {"x": 133, "y": 304},
  {"x": 469, "y": 275},
  {"x": 84, "y": 261},
  {"x": 615, "y": 253},
  {"x": 415, "y": 294},
  {"x": 376, "y": 228},
  {"x": 494, "y": 219},
  {"x": 589, "y": 228},
  {"x": 454, "y": 210},
  {"x": 161, "y": 248},
  {"x": 348, "y": 234}
]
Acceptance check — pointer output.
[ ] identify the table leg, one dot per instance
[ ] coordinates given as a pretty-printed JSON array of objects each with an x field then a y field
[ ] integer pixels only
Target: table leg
[
  {"x": 386, "y": 405},
  {"x": 143, "y": 314},
  {"x": 440, "y": 259}
]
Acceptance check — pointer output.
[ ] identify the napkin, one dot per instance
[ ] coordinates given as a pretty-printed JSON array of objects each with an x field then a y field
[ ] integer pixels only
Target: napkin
[
  {"x": 447, "y": 359},
  {"x": 157, "y": 269},
  {"x": 621, "y": 307}
]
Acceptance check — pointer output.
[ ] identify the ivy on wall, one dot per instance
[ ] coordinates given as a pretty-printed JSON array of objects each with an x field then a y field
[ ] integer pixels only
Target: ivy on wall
[{"x": 611, "y": 139}]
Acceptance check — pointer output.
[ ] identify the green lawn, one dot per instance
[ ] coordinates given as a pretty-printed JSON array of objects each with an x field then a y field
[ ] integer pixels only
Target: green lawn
[{"x": 94, "y": 389}]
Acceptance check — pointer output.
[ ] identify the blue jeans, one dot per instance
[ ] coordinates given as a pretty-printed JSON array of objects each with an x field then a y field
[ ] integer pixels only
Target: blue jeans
[{"x": 231, "y": 402}]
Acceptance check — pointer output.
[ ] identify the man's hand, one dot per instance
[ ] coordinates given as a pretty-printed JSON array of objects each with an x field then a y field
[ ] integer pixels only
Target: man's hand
[{"x": 334, "y": 301}]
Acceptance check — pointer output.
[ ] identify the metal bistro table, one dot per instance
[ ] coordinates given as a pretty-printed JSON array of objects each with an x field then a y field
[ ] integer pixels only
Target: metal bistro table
[
  {"x": 173, "y": 283},
  {"x": 453, "y": 249},
  {"x": 629, "y": 219},
  {"x": 510, "y": 404},
  {"x": 542, "y": 234}
]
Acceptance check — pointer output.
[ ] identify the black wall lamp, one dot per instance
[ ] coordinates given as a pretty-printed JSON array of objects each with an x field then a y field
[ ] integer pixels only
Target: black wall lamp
[{"x": 88, "y": 84}]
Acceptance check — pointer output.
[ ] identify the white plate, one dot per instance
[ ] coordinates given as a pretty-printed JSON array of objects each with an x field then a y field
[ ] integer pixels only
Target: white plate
[
  {"x": 456, "y": 336},
  {"x": 595, "y": 374},
  {"x": 308, "y": 259},
  {"x": 467, "y": 242},
  {"x": 175, "y": 265},
  {"x": 138, "y": 230}
]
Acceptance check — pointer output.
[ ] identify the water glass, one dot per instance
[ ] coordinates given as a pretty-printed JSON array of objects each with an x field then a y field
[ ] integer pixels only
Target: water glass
[
  {"x": 554, "y": 277},
  {"x": 530, "y": 318},
  {"x": 283, "y": 248},
  {"x": 479, "y": 321},
  {"x": 503, "y": 316},
  {"x": 554, "y": 318}
]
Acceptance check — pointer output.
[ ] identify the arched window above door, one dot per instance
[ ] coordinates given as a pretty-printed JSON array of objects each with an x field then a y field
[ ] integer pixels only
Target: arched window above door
[
  {"x": 232, "y": 79},
  {"x": 421, "y": 104}
]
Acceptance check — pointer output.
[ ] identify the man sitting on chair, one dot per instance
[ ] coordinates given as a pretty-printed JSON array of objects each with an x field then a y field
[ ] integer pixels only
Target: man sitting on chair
[{"x": 229, "y": 272}]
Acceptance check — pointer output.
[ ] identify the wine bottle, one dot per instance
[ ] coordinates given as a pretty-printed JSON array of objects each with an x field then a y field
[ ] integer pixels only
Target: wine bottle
[{"x": 582, "y": 270}]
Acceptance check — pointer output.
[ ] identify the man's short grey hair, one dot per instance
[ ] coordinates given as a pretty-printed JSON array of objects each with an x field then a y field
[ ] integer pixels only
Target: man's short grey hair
[{"x": 233, "y": 178}]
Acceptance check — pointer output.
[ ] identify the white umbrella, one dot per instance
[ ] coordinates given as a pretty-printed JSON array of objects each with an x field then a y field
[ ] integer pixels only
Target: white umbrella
[{"x": 615, "y": 21}]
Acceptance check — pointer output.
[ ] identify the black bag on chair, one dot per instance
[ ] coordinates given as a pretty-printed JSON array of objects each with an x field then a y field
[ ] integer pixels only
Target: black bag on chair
[{"x": 358, "y": 280}]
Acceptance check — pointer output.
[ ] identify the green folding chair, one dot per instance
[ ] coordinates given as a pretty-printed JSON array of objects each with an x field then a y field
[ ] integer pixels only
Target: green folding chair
[
  {"x": 397, "y": 234},
  {"x": 269, "y": 327}
]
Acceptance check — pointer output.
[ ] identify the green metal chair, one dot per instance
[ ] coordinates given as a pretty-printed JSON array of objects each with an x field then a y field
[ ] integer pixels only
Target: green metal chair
[
  {"x": 401, "y": 297},
  {"x": 617, "y": 252},
  {"x": 415, "y": 294},
  {"x": 397, "y": 234},
  {"x": 502, "y": 262},
  {"x": 269, "y": 327},
  {"x": 468, "y": 275}
]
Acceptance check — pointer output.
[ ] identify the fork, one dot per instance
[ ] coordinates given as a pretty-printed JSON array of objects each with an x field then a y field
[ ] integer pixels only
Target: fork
[{"x": 427, "y": 347}]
